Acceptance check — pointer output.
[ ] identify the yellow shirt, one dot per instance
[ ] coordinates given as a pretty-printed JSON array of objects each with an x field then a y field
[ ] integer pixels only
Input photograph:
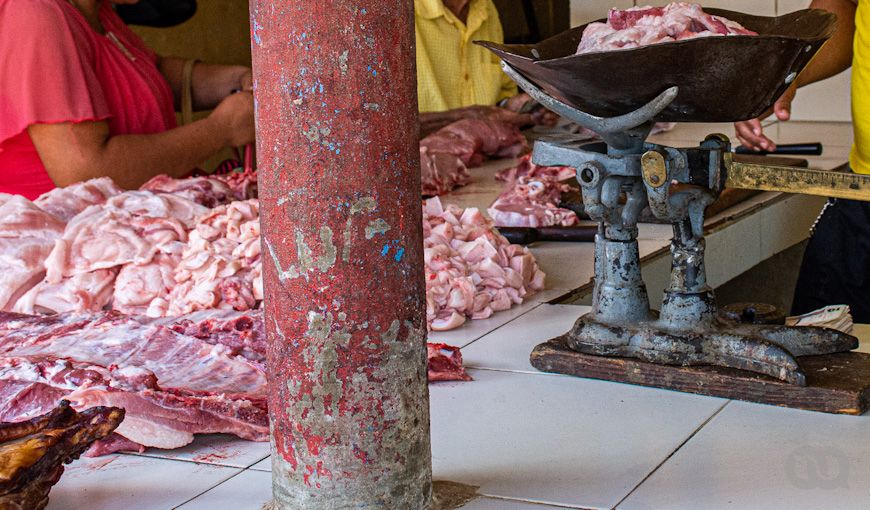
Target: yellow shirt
[
  {"x": 860, "y": 157},
  {"x": 452, "y": 71}
]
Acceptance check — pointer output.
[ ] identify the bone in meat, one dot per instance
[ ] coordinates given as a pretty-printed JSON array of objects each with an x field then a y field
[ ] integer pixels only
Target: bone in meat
[{"x": 532, "y": 197}]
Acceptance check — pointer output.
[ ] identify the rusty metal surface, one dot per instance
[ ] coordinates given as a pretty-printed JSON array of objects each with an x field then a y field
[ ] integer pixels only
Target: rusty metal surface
[
  {"x": 806, "y": 181},
  {"x": 721, "y": 79},
  {"x": 751, "y": 313},
  {"x": 343, "y": 271}
]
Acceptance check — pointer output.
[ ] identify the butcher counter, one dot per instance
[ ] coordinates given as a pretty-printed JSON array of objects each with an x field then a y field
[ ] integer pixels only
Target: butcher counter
[{"x": 534, "y": 441}]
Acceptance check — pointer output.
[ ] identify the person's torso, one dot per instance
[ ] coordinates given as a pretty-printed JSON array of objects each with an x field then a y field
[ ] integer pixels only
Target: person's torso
[
  {"x": 138, "y": 97},
  {"x": 860, "y": 156},
  {"x": 452, "y": 71}
]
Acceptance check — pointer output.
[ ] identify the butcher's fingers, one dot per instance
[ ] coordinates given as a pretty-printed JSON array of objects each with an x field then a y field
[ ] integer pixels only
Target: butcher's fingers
[{"x": 751, "y": 135}]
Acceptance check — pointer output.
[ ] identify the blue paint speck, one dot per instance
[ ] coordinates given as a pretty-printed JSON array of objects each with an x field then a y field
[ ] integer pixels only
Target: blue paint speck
[
  {"x": 364, "y": 11},
  {"x": 399, "y": 254},
  {"x": 385, "y": 250}
]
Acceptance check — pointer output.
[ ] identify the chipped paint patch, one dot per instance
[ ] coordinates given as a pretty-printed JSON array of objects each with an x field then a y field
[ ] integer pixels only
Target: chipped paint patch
[
  {"x": 378, "y": 226},
  {"x": 365, "y": 204},
  {"x": 374, "y": 107},
  {"x": 342, "y": 62}
]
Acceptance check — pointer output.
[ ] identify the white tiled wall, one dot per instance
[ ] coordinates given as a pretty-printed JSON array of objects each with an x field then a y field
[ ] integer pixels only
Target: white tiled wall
[{"x": 825, "y": 101}]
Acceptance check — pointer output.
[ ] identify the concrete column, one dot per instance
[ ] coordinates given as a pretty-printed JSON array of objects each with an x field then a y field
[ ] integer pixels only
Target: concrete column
[{"x": 336, "y": 105}]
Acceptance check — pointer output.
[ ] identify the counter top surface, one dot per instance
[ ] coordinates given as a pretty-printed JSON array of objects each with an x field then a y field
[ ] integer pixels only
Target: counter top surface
[{"x": 534, "y": 441}]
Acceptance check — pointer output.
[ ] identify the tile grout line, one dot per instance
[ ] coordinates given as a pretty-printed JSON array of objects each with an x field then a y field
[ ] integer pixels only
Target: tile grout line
[
  {"x": 209, "y": 489},
  {"x": 531, "y": 502},
  {"x": 677, "y": 449},
  {"x": 503, "y": 325}
]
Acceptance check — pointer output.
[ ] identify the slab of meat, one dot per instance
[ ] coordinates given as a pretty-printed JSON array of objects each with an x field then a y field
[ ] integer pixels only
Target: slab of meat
[
  {"x": 242, "y": 332},
  {"x": 642, "y": 26},
  {"x": 471, "y": 269},
  {"x": 179, "y": 361},
  {"x": 441, "y": 172},
  {"x": 471, "y": 142},
  {"x": 532, "y": 197},
  {"x": 75, "y": 198},
  {"x": 27, "y": 237},
  {"x": 128, "y": 228},
  {"x": 86, "y": 292},
  {"x": 155, "y": 417},
  {"x": 206, "y": 191},
  {"x": 32, "y": 453},
  {"x": 445, "y": 363}
]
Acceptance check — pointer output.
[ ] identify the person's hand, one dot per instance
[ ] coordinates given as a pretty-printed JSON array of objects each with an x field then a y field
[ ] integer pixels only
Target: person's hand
[
  {"x": 234, "y": 117},
  {"x": 246, "y": 82},
  {"x": 751, "y": 134}
]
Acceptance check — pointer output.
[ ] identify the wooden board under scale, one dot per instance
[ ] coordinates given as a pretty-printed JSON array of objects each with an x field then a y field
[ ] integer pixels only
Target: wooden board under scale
[{"x": 836, "y": 383}]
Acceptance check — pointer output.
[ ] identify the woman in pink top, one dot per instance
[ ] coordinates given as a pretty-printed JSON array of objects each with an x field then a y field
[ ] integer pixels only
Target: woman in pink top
[{"x": 81, "y": 96}]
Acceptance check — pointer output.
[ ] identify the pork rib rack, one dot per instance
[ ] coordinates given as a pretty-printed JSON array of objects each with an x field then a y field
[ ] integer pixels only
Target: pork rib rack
[{"x": 33, "y": 452}]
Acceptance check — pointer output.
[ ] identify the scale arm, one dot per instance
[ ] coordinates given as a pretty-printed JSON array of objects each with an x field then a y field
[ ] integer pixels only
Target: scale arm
[{"x": 805, "y": 181}]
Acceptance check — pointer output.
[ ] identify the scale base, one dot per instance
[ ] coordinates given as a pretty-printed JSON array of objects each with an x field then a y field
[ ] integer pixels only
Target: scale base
[{"x": 835, "y": 383}]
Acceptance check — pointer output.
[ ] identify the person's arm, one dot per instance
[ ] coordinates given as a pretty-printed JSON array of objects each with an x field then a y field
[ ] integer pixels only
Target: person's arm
[
  {"x": 211, "y": 82},
  {"x": 834, "y": 58},
  {"x": 73, "y": 152}
]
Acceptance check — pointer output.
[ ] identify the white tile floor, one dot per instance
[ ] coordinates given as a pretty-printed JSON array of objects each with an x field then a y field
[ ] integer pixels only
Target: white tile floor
[{"x": 530, "y": 439}]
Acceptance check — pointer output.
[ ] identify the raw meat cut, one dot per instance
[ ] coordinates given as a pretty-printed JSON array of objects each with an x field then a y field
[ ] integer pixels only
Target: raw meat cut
[
  {"x": 445, "y": 363},
  {"x": 642, "y": 26},
  {"x": 144, "y": 288},
  {"x": 32, "y": 453},
  {"x": 175, "y": 376},
  {"x": 243, "y": 332},
  {"x": 206, "y": 191},
  {"x": 172, "y": 384},
  {"x": 86, "y": 292},
  {"x": 155, "y": 417},
  {"x": 471, "y": 269},
  {"x": 220, "y": 266},
  {"x": 68, "y": 201},
  {"x": 128, "y": 228},
  {"x": 243, "y": 184},
  {"x": 180, "y": 362},
  {"x": 447, "y": 153},
  {"x": 532, "y": 197},
  {"x": 27, "y": 237},
  {"x": 441, "y": 172}
]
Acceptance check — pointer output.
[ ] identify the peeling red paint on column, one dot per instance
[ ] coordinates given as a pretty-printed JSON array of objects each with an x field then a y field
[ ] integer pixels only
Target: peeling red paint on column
[{"x": 339, "y": 190}]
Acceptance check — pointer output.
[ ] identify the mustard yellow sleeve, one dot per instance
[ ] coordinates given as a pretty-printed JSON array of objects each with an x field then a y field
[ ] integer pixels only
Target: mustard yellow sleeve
[{"x": 508, "y": 87}]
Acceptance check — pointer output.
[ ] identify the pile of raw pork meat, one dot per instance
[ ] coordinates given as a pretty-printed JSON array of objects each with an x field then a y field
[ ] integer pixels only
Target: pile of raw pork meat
[
  {"x": 643, "y": 26},
  {"x": 447, "y": 154},
  {"x": 532, "y": 196},
  {"x": 149, "y": 300},
  {"x": 471, "y": 269}
]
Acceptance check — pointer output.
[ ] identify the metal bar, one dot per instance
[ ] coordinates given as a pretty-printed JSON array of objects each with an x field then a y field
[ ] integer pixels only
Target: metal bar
[
  {"x": 342, "y": 239},
  {"x": 805, "y": 181}
]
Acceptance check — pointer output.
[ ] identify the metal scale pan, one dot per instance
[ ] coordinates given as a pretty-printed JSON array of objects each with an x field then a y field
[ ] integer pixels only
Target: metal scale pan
[{"x": 720, "y": 79}]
